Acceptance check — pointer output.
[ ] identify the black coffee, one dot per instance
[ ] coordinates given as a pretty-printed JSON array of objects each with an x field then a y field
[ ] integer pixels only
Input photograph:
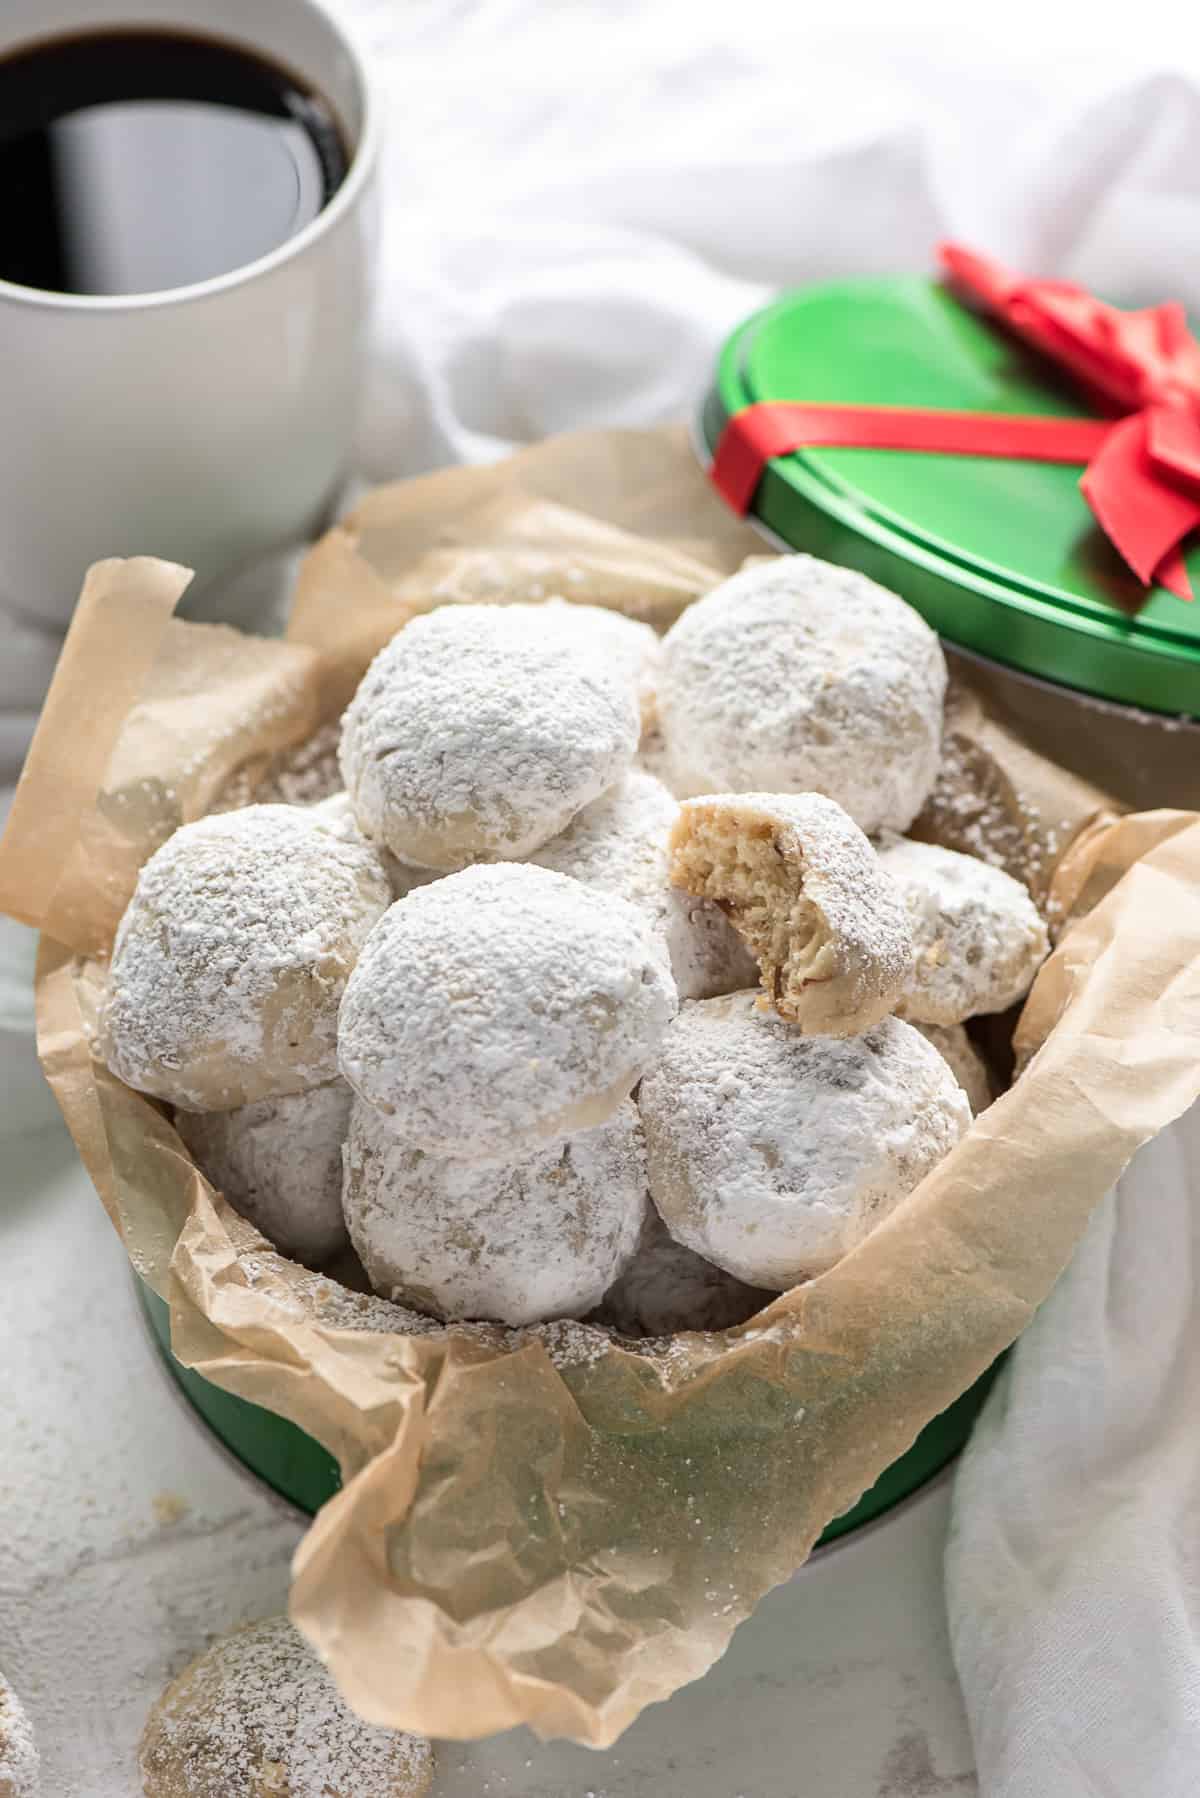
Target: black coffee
[{"x": 133, "y": 161}]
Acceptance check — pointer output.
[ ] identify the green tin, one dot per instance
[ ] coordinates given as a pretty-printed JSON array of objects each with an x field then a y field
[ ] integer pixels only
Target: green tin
[
  {"x": 1001, "y": 556},
  {"x": 300, "y": 1470}
]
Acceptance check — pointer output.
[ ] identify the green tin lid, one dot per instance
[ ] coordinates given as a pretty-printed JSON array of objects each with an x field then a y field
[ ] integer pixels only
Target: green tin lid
[{"x": 1001, "y": 556}]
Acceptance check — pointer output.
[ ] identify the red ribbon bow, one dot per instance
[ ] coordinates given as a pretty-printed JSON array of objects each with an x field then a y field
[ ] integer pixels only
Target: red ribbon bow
[{"x": 1142, "y": 479}]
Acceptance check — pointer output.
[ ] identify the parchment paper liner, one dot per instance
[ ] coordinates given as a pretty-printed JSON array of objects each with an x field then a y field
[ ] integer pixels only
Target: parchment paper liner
[{"x": 544, "y": 1527}]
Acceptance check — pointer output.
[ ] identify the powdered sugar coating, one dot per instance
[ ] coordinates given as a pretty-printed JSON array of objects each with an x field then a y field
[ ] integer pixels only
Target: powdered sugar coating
[
  {"x": 625, "y": 644},
  {"x": 978, "y": 936},
  {"x": 802, "y": 884},
  {"x": 337, "y": 814},
  {"x": 19, "y": 1759},
  {"x": 502, "y": 1008},
  {"x": 258, "y": 1715},
  {"x": 618, "y": 844},
  {"x": 279, "y": 1163},
  {"x": 231, "y": 959},
  {"x": 773, "y": 1154},
  {"x": 964, "y": 1061},
  {"x": 514, "y": 1242},
  {"x": 477, "y": 735},
  {"x": 798, "y": 676},
  {"x": 667, "y": 1288}
]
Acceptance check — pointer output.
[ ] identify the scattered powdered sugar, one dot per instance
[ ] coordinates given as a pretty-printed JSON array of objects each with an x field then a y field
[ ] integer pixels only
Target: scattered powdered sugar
[
  {"x": 801, "y": 882},
  {"x": 974, "y": 807},
  {"x": 323, "y": 1300},
  {"x": 231, "y": 958},
  {"x": 306, "y": 774},
  {"x": 19, "y": 1760},
  {"x": 618, "y": 844},
  {"x": 503, "y": 1008},
  {"x": 667, "y": 1288},
  {"x": 798, "y": 676},
  {"x": 259, "y": 1714},
  {"x": 511, "y": 1242},
  {"x": 964, "y": 1060},
  {"x": 279, "y": 1162},
  {"x": 476, "y": 734},
  {"x": 978, "y": 936},
  {"x": 772, "y": 1153}
]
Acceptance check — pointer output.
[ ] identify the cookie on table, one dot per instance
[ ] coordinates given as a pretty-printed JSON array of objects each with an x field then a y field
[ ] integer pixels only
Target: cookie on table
[
  {"x": 803, "y": 887},
  {"x": 279, "y": 1163},
  {"x": 773, "y": 1154},
  {"x": 513, "y": 1242},
  {"x": 965, "y": 1062},
  {"x": 667, "y": 1288},
  {"x": 503, "y": 1008},
  {"x": 797, "y": 676},
  {"x": 232, "y": 956},
  {"x": 978, "y": 936},
  {"x": 476, "y": 736},
  {"x": 20, "y": 1775},
  {"x": 618, "y": 844},
  {"x": 257, "y": 1716}
]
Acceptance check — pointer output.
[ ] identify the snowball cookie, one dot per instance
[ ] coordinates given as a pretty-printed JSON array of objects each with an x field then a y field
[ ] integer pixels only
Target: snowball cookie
[
  {"x": 474, "y": 737},
  {"x": 773, "y": 1153},
  {"x": 231, "y": 959},
  {"x": 502, "y": 1008},
  {"x": 801, "y": 884},
  {"x": 979, "y": 937},
  {"x": 279, "y": 1163},
  {"x": 667, "y": 1288},
  {"x": 257, "y": 1716},
  {"x": 797, "y": 676},
  {"x": 337, "y": 814},
  {"x": 964, "y": 1060},
  {"x": 618, "y": 844},
  {"x": 19, "y": 1762},
  {"x": 514, "y": 1242}
]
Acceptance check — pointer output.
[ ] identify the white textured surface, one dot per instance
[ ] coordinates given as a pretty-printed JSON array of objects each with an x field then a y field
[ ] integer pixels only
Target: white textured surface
[
  {"x": 510, "y": 1242},
  {"x": 774, "y": 1154},
  {"x": 477, "y": 733},
  {"x": 129, "y": 1540},
  {"x": 501, "y": 1008},
  {"x": 797, "y": 676}
]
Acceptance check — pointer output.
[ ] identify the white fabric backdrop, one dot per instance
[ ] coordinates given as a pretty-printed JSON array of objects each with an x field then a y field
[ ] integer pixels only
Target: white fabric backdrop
[{"x": 580, "y": 201}]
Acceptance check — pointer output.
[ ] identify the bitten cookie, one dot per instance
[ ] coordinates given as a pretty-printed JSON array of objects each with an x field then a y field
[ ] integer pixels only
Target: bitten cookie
[
  {"x": 257, "y": 1716},
  {"x": 797, "y": 676},
  {"x": 978, "y": 936},
  {"x": 667, "y": 1288},
  {"x": 279, "y": 1163},
  {"x": 502, "y": 1008},
  {"x": 514, "y": 1242},
  {"x": 475, "y": 736},
  {"x": 231, "y": 959},
  {"x": 802, "y": 886},
  {"x": 772, "y": 1153},
  {"x": 618, "y": 844}
]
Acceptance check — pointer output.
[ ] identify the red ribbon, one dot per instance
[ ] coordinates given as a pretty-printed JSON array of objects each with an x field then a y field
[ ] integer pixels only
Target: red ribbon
[{"x": 1142, "y": 478}]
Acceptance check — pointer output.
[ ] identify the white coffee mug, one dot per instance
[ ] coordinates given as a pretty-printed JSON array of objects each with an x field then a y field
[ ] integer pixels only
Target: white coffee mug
[{"x": 206, "y": 423}]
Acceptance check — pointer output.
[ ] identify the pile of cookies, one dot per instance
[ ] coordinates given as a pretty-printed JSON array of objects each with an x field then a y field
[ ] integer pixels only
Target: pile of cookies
[{"x": 610, "y": 985}]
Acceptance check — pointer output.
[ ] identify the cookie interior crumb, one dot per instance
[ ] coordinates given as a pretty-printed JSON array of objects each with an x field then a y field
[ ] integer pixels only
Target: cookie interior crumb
[{"x": 736, "y": 862}]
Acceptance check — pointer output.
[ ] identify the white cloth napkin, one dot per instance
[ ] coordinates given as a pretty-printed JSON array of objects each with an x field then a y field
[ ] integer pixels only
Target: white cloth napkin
[
  {"x": 1073, "y": 1569},
  {"x": 580, "y": 202}
]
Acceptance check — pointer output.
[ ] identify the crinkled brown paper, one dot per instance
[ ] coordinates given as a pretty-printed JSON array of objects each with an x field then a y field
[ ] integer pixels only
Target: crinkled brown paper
[{"x": 543, "y": 1527}]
